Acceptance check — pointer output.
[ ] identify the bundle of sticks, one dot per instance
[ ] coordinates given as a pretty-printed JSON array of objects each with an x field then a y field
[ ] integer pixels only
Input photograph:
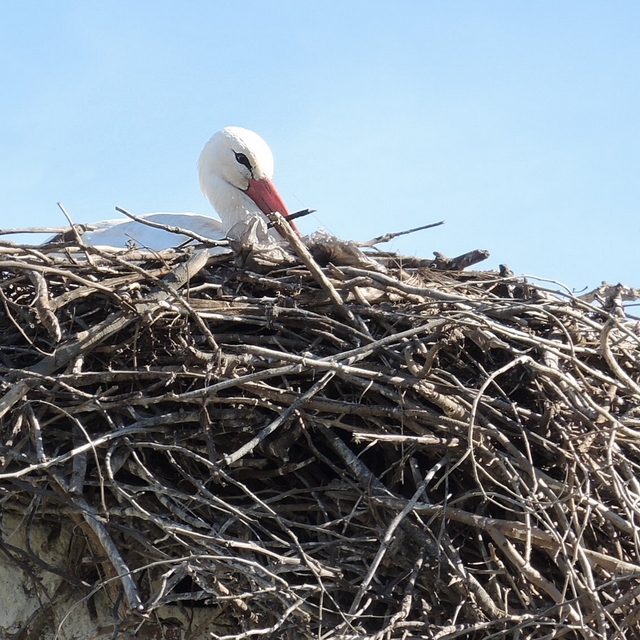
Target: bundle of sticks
[{"x": 326, "y": 450}]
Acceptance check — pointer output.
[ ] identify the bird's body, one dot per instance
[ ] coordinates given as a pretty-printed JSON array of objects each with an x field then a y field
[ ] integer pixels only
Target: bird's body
[
  {"x": 235, "y": 170},
  {"x": 123, "y": 232}
]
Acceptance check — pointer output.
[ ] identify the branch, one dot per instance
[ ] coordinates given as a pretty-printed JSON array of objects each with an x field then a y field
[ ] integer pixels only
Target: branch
[
  {"x": 390, "y": 236},
  {"x": 173, "y": 229}
]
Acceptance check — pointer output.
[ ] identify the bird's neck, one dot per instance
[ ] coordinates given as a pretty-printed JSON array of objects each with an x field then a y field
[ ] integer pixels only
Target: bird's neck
[
  {"x": 234, "y": 206},
  {"x": 230, "y": 203}
]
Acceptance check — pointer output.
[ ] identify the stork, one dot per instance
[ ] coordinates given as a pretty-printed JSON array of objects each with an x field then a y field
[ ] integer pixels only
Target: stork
[{"x": 235, "y": 171}]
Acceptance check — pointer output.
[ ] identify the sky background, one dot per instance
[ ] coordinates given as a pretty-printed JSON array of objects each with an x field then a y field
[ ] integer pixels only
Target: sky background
[{"x": 518, "y": 123}]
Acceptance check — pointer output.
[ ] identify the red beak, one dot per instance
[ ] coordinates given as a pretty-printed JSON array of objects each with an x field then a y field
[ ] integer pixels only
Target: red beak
[{"x": 266, "y": 196}]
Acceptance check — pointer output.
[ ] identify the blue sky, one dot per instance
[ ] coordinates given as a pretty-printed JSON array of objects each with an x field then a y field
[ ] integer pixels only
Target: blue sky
[{"x": 516, "y": 122}]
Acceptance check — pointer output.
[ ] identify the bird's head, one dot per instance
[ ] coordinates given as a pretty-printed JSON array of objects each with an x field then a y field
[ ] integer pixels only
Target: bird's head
[{"x": 235, "y": 170}]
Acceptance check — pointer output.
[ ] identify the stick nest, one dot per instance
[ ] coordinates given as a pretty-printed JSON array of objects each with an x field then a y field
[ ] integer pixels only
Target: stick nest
[{"x": 399, "y": 452}]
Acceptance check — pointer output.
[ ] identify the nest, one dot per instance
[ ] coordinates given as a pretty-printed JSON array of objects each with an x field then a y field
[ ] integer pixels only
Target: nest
[{"x": 325, "y": 452}]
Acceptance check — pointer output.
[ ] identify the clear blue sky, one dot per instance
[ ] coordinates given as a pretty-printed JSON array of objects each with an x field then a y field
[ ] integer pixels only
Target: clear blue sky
[{"x": 516, "y": 122}]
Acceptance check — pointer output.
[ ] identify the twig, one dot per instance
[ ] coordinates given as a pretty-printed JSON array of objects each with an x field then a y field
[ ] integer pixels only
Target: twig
[
  {"x": 173, "y": 229},
  {"x": 390, "y": 236},
  {"x": 6, "y": 232},
  {"x": 286, "y": 231},
  {"x": 283, "y": 417},
  {"x": 459, "y": 262},
  {"x": 294, "y": 216}
]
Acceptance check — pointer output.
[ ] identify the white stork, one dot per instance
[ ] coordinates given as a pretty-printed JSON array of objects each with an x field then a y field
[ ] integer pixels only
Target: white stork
[{"x": 235, "y": 171}]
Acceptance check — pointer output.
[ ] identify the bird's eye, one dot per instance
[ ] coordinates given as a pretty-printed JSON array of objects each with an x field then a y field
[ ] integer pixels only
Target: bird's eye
[{"x": 242, "y": 159}]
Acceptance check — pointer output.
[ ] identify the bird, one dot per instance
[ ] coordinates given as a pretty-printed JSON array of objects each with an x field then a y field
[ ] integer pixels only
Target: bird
[{"x": 235, "y": 171}]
